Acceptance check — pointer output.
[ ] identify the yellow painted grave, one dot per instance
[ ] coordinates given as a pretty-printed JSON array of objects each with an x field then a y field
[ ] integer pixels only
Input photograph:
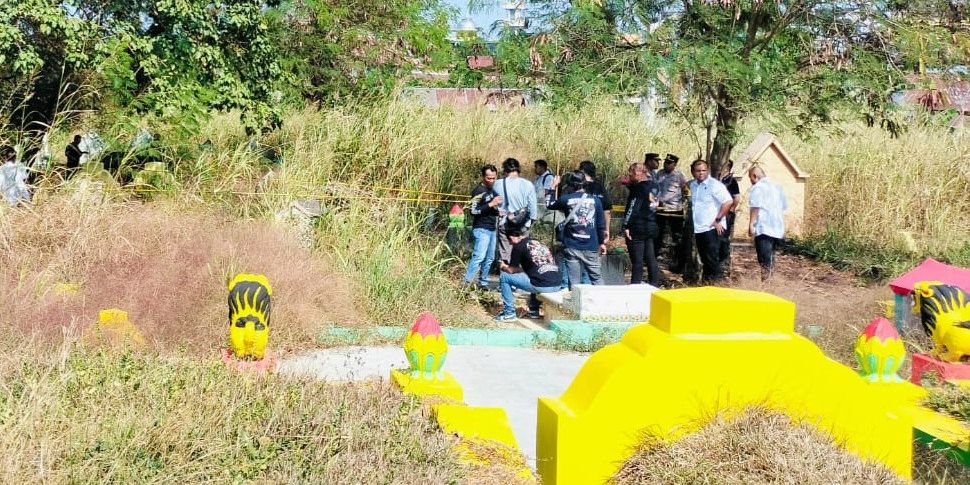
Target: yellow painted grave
[{"x": 707, "y": 350}]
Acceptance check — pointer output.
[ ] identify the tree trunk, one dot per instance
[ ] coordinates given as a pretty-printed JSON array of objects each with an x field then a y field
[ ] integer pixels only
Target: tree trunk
[{"x": 727, "y": 131}]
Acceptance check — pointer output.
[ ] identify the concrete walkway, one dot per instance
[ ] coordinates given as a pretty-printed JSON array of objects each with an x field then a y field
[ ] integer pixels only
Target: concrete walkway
[{"x": 507, "y": 377}]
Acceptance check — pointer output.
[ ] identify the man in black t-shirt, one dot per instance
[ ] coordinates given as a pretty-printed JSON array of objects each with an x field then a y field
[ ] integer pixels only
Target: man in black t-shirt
[
  {"x": 484, "y": 209},
  {"x": 531, "y": 268},
  {"x": 596, "y": 188},
  {"x": 729, "y": 181}
]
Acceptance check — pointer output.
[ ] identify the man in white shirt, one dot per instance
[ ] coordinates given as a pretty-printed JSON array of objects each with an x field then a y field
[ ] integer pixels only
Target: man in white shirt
[
  {"x": 710, "y": 203},
  {"x": 543, "y": 181},
  {"x": 768, "y": 204}
]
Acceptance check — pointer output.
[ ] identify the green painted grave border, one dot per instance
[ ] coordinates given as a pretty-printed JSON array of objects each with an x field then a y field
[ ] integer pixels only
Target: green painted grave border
[{"x": 566, "y": 332}]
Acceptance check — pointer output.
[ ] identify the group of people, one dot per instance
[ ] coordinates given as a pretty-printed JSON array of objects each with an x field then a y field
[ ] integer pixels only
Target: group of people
[{"x": 505, "y": 209}]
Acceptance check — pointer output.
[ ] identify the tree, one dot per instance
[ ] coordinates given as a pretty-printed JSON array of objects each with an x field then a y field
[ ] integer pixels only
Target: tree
[
  {"x": 333, "y": 48},
  {"x": 718, "y": 62},
  {"x": 169, "y": 57},
  {"x": 41, "y": 47}
]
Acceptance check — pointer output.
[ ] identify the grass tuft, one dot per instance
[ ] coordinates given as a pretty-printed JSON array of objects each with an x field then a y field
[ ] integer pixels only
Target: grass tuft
[{"x": 756, "y": 446}]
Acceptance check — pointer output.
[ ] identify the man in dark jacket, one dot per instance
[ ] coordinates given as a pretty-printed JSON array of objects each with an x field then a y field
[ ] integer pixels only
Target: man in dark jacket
[
  {"x": 584, "y": 231},
  {"x": 640, "y": 224},
  {"x": 484, "y": 209}
]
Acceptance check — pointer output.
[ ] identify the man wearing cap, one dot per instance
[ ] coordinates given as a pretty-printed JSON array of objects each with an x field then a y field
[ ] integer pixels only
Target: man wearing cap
[
  {"x": 652, "y": 162},
  {"x": 710, "y": 202},
  {"x": 670, "y": 211},
  {"x": 584, "y": 231}
]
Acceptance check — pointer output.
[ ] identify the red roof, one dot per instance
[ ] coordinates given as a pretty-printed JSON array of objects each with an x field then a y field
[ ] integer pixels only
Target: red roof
[
  {"x": 957, "y": 95},
  {"x": 931, "y": 270}
]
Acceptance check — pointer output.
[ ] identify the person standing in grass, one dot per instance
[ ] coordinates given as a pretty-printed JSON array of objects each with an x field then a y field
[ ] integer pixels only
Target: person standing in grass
[
  {"x": 640, "y": 224},
  {"x": 518, "y": 205},
  {"x": 670, "y": 212},
  {"x": 729, "y": 181},
  {"x": 73, "y": 153},
  {"x": 545, "y": 190},
  {"x": 584, "y": 233},
  {"x": 531, "y": 268},
  {"x": 596, "y": 189},
  {"x": 711, "y": 202},
  {"x": 484, "y": 210},
  {"x": 768, "y": 204},
  {"x": 652, "y": 161}
]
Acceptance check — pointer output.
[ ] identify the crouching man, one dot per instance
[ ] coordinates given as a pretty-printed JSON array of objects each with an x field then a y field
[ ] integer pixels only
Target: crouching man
[{"x": 531, "y": 268}]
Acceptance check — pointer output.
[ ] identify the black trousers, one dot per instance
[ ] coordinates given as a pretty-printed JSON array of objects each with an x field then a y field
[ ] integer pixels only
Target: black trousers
[
  {"x": 642, "y": 250},
  {"x": 764, "y": 246},
  {"x": 724, "y": 253},
  {"x": 708, "y": 246},
  {"x": 675, "y": 226}
]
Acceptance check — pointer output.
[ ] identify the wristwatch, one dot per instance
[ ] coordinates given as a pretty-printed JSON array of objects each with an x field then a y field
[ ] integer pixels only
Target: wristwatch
[{"x": 718, "y": 219}]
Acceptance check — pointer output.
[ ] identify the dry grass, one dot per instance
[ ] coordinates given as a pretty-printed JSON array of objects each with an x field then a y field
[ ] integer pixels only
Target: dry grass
[
  {"x": 82, "y": 417},
  {"x": 873, "y": 188},
  {"x": 757, "y": 446},
  {"x": 166, "y": 264},
  {"x": 905, "y": 195}
]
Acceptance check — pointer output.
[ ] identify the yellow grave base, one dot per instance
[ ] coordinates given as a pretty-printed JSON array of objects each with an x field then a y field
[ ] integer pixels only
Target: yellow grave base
[
  {"x": 447, "y": 387},
  {"x": 486, "y": 437},
  {"x": 113, "y": 328},
  {"x": 709, "y": 349},
  {"x": 938, "y": 425}
]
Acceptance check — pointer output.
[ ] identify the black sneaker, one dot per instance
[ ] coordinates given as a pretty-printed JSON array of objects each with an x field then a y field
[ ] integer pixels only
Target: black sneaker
[{"x": 532, "y": 314}]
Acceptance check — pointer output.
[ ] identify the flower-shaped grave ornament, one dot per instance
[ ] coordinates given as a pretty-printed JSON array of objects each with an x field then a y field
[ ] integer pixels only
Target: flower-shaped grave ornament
[
  {"x": 456, "y": 217},
  {"x": 250, "y": 304},
  {"x": 880, "y": 351},
  {"x": 426, "y": 348}
]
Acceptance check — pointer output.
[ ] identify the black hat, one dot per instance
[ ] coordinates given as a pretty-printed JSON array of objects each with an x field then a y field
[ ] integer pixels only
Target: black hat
[
  {"x": 651, "y": 156},
  {"x": 671, "y": 158}
]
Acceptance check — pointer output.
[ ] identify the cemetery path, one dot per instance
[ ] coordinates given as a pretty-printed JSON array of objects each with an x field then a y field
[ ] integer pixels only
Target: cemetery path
[{"x": 507, "y": 377}]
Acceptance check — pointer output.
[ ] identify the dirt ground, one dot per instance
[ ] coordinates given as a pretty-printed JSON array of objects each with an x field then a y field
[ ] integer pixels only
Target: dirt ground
[{"x": 832, "y": 306}]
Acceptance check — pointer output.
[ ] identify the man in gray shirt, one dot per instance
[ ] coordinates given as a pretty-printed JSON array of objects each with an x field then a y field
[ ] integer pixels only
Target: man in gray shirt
[
  {"x": 670, "y": 211},
  {"x": 517, "y": 193}
]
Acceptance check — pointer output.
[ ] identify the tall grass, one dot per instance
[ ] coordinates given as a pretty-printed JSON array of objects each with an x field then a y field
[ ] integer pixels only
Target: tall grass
[
  {"x": 89, "y": 417},
  {"x": 902, "y": 198},
  {"x": 887, "y": 201}
]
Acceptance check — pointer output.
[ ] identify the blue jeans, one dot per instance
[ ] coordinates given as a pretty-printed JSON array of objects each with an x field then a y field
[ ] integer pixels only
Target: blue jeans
[
  {"x": 483, "y": 253},
  {"x": 510, "y": 281},
  {"x": 564, "y": 271}
]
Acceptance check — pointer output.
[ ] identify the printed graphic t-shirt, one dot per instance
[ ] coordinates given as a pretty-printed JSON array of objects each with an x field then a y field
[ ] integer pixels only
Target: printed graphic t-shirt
[{"x": 537, "y": 262}]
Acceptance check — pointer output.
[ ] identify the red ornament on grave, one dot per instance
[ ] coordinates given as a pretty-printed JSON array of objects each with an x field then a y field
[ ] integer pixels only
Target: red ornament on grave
[
  {"x": 425, "y": 347},
  {"x": 456, "y": 217},
  {"x": 880, "y": 351}
]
